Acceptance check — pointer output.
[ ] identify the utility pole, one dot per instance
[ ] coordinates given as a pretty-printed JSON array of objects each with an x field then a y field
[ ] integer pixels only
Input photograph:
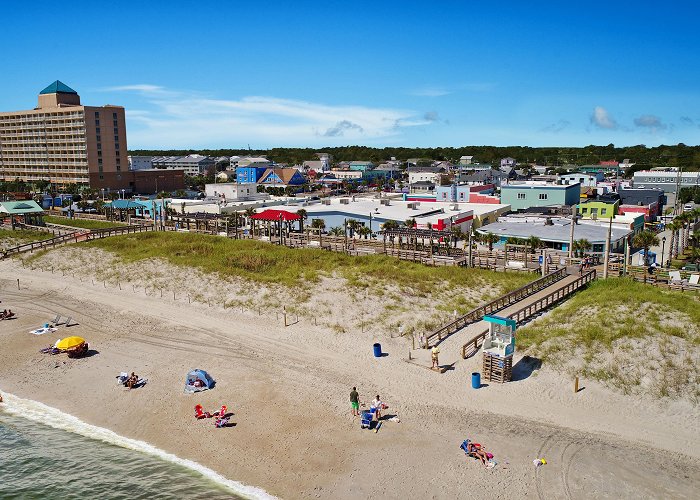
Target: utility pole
[
  {"x": 571, "y": 236},
  {"x": 606, "y": 261},
  {"x": 676, "y": 205}
]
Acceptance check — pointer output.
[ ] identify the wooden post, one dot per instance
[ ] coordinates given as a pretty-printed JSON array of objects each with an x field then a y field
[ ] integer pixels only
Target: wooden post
[
  {"x": 17, "y": 283},
  {"x": 575, "y": 385},
  {"x": 284, "y": 313}
]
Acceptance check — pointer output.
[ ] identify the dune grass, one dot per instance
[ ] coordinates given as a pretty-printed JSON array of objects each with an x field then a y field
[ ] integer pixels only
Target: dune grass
[
  {"x": 621, "y": 332},
  {"x": 81, "y": 223},
  {"x": 263, "y": 262},
  {"x": 24, "y": 235}
]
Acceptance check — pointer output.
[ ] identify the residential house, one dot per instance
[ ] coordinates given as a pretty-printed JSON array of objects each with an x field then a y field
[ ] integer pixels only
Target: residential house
[
  {"x": 466, "y": 160},
  {"x": 508, "y": 162},
  {"x": 362, "y": 166},
  {"x": 431, "y": 175},
  {"x": 583, "y": 178},
  {"x": 526, "y": 194},
  {"x": 281, "y": 177},
  {"x": 250, "y": 174},
  {"x": 599, "y": 209},
  {"x": 491, "y": 176}
]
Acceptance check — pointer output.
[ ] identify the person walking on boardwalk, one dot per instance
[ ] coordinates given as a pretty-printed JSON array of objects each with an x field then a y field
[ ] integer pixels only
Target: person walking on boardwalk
[
  {"x": 434, "y": 355},
  {"x": 355, "y": 402}
]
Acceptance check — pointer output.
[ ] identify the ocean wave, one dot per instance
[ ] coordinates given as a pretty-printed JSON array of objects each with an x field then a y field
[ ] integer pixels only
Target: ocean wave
[{"x": 39, "y": 412}]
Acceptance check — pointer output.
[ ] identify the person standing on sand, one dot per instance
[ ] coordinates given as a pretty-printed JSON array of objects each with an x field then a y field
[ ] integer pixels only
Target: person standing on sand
[
  {"x": 355, "y": 402},
  {"x": 434, "y": 354}
]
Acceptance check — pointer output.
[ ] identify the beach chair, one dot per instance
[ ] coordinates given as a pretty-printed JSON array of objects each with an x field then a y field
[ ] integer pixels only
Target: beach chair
[
  {"x": 199, "y": 413},
  {"x": 674, "y": 277},
  {"x": 56, "y": 319},
  {"x": 694, "y": 279},
  {"x": 366, "y": 419},
  {"x": 221, "y": 422},
  {"x": 69, "y": 322}
]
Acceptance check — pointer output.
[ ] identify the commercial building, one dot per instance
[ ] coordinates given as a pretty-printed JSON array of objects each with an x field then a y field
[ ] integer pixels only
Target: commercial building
[
  {"x": 232, "y": 191},
  {"x": 666, "y": 180},
  {"x": 191, "y": 164},
  {"x": 64, "y": 142},
  {"x": 583, "y": 178},
  {"x": 140, "y": 162},
  {"x": 599, "y": 209},
  {"x": 526, "y": 194}
]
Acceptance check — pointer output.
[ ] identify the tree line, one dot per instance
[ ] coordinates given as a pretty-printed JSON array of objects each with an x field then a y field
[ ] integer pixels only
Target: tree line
[{"x": 681, "y": 155}]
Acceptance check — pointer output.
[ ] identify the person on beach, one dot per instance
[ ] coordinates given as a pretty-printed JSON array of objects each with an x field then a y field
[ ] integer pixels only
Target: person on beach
[
  {"x": 378, "y": 406},
  {"x": 476, "y": 450},
  {"x": 434, "y": 355},
  {"x": 355, "y": 402},
  {"x": 132, "y": 380}
]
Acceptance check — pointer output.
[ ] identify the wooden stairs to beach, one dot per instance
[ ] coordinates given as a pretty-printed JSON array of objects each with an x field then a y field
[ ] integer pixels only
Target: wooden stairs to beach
[{"x": 495, "y": 305}]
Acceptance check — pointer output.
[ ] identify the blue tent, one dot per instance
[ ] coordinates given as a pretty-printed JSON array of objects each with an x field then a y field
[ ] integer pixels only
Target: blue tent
[{"x": 198, "y": 380}]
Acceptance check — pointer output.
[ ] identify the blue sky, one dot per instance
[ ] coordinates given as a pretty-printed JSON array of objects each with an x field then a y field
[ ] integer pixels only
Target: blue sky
[{"x": 442, "y": 73}]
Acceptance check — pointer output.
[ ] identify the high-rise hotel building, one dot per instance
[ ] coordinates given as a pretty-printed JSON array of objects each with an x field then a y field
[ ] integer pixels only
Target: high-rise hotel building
[{"x": 63, "y": 142}]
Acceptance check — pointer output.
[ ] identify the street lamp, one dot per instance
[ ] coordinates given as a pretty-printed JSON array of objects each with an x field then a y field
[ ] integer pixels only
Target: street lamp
[
  {"x": 663, "y": 246},
  {"x": 370, "y": 223}
]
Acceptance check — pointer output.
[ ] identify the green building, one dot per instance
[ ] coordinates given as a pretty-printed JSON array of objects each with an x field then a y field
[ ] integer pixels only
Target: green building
[{"x": 596, "y": 209}]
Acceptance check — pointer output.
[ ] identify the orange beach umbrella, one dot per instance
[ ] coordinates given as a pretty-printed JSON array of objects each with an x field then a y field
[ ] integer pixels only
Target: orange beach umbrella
[{"x": 70, "y": 342}]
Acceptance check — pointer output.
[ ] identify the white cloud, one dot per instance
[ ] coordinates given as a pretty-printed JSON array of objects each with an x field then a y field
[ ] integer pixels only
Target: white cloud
[
  {"x": 602, "y": 119},
  {"x": 187, "y": 119},
  {"x": 650, "y": 122}
]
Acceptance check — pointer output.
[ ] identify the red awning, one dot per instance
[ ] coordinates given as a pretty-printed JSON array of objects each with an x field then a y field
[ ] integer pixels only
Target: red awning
[{"x": 276, "y": 215}]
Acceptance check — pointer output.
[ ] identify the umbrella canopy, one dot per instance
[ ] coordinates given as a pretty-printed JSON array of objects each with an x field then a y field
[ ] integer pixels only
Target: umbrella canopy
[
  {"x": 276, "y": 215},
  {"x": 70, "y": 342}
]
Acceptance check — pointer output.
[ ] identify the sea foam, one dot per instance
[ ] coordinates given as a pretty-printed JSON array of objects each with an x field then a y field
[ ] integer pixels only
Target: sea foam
[{"x": 39, "y": 412}]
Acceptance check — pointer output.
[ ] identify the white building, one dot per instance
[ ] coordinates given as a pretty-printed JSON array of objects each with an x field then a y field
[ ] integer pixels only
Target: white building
[
  {"x": 586, "y": 180},
  {"x": 665, "y": 179},
  {"x": 140, "y": 162},
  {"x": 191, "y": 164},
  {"x": 231, "y": 191}
]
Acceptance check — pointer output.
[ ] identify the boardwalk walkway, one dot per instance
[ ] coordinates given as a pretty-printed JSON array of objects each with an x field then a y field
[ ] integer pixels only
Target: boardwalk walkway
[{"x": 451, "y": 348}]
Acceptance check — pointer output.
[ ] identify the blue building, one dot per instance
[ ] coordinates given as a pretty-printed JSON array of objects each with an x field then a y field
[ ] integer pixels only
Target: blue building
[
  {"x": 522, "y": 195},
  {"x": 246, "y": 175}
]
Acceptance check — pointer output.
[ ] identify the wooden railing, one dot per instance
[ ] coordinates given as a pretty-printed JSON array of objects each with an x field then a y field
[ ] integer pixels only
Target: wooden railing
[
  {"x": 526, "y": 312},
  {"x": 74, "y": 237},
  {"x": 493, "y": 306}
]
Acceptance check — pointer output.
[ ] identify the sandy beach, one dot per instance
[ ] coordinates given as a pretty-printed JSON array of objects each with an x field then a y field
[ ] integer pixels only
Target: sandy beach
[{"x": 288, "y": 387}]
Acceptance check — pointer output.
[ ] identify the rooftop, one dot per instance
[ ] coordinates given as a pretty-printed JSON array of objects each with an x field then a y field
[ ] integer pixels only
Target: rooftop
[
  {"x": 559, "y": 232},
  {"x": 58, "y": 87}
]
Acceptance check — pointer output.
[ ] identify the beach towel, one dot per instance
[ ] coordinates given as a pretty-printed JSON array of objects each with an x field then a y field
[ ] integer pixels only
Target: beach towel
[{"x": 43, "y": 330}]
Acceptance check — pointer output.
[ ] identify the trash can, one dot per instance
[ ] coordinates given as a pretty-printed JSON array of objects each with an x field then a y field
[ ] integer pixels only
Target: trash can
[
  {"x": 377, "y": 350},
  {"x": 476, "y": 380}
]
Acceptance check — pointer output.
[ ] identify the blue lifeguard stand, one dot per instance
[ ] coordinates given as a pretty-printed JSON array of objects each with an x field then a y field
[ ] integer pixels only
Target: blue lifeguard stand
[{"x": 498, "y": 349}]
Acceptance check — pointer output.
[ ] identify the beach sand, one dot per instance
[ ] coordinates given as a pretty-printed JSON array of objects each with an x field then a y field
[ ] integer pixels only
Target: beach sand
[{"x": 289, "y": 390}]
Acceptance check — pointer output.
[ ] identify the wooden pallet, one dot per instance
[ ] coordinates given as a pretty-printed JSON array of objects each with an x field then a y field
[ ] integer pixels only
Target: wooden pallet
[{"x": 497, "y": 369}]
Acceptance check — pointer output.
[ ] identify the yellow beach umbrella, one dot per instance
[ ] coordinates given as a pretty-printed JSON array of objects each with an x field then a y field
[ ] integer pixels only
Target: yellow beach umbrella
[{"x": 69, "y": 342}]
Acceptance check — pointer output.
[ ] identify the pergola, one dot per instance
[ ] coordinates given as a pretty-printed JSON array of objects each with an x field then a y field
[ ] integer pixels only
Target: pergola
[{"x": 276, "y": 220}]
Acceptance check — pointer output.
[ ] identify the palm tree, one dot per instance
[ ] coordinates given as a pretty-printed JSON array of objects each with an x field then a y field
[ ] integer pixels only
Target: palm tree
[
  {"x": 364, "y": 231},
  {"x": 352, "y": 226},
  {"x": 457, "y": 234},
  {"x": 581, "y": 246},
  {"x": 490, "y": 239},
  {"x": 410, "y": 223},
  {"x": 390, "y": 225},
  {"x": 534, "y": 243},
  {"x": 674, "y": 227},
  {"x": 304, "y": 215},
  {"x": 318, "y": 224},
  {"x": 645, "y": 239},
  {"x": 336, "y": 231}
]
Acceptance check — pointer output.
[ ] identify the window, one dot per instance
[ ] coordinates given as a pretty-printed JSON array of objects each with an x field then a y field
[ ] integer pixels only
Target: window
[
  {"x": 99, "y": 161},
  {"x": 521, "y": 196},
  {"x": 97, "y": 122},
  {"x": 114, "y": 116},
  {"x": 584, "y": 210},
  {"x": 114, "y": 122},
  {"x": 99, "y": 138},
  {"x": 116, "y": 131},
  {"x": 99, "y": 154},
  {"x": 97, "y": 114},
  {"x": 543, "y": 196},
  {"x": 116, "y": 145},
  {"x": 99, "y": 145},
  {"x": 603, "y": 211}
]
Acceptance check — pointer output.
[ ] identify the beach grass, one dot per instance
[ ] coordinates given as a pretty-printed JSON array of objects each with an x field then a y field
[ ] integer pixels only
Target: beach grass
[
  {"x": 23, "y": 235},
  {"x": 621, "y": 331},
  {"x": 81, "y": 223},
  {"x": 266, "y": 263}
]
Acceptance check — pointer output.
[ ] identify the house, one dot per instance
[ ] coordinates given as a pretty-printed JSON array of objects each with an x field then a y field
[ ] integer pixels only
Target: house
[
  {"x": 390, "y": 170},
  {"x": 508, "y": 162},
  {"x": 526, "y": 194},
  {"x": 583, "y": 178},
  {"x": 422, "y": 187},
  {"x": 191, "y": 164},
  {"x": 425, "y": 174},
  {"x": 233, "y": 191},
  {"x": 599, "y": 209},
  {"x": 347, "y": 174},
  {"x": 466, "y": 160},
  {"x": 362, "y": 166},
  {"x": 281, "y": 177},
  {"x": 490, "y": 176},
  {"x": 649, "y": 202},
  {"x": 245, "y": 175},
  {"x": 315, "y": 165},
  {"x": 466, "y": 193}
]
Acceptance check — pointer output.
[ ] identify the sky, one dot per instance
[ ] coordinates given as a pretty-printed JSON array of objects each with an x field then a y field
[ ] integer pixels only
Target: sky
[{"x": 415, "y": 74}]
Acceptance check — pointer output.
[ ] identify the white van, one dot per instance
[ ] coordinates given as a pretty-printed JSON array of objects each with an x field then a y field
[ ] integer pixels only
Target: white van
[{"x": 688, "y": 207}]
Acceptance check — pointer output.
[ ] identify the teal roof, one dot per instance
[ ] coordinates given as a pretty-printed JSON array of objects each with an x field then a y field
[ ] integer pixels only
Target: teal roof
[
  {"x": 56, "y": 87},
  {"x": 20, "y": 207}
]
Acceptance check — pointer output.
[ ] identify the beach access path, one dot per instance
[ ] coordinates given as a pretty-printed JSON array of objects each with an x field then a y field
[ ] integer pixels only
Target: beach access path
[{"x": 289, "y": 391}]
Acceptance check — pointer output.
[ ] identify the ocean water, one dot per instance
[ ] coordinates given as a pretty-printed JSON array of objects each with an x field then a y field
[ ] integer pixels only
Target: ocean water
[{"x": 47, "y": 454}]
